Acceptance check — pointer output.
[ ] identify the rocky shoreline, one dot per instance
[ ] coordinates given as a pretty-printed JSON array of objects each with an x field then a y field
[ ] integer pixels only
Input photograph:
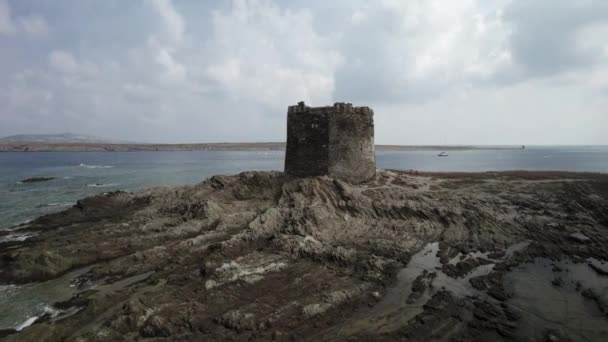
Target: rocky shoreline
[{"x": 262, "y": 256}]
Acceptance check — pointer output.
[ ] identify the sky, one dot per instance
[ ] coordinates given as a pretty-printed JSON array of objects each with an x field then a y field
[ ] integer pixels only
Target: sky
[{"x": 482, "y": 72}]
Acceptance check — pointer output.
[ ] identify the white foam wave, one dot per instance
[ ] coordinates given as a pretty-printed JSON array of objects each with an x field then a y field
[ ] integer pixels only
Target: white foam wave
[
  {"x": 60, "y": 204},
  {"x": 100, "y": 185},
  {"x": 22, "y": 223},
  {"x": 27, "y": 323},
  {"x": 7, "y": 288},
  {"x": 18, "y": 225},
  {"x": 95, "y": 166},
  {"x": 15, "y": 237},
  {"x": 46, "y": 309}
]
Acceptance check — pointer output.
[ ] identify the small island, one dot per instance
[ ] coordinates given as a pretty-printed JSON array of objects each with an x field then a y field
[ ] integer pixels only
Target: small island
[{"x": 336, "y": 250}]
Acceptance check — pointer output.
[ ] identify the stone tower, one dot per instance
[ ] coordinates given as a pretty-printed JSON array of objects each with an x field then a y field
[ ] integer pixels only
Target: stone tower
[{"x": 335, "y": 140}]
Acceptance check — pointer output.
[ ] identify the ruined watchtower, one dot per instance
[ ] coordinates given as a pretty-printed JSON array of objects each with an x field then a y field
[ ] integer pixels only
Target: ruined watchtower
[{"x": 335, "y": 140}]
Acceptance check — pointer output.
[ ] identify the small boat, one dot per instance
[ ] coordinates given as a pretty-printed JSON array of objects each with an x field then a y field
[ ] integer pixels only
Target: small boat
[{"x": 442, "y": 154}]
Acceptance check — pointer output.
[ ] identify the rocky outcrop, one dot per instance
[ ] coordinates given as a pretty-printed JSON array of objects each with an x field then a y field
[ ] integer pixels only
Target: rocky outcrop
[
  {"x": 37, "y": 179},
  {"x": 261, "y": 255}
]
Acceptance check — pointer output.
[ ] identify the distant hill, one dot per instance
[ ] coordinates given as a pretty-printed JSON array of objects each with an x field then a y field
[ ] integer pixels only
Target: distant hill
[
  {"x": 64, "y": 138},
  {"x": 52, "y": 146}
]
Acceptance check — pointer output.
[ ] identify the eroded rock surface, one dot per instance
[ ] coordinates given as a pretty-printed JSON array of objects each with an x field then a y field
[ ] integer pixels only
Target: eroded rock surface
[{"x": 262, "y": 256}]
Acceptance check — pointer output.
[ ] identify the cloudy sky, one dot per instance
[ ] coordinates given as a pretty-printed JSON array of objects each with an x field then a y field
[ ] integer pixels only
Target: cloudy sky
[{"x": 434, "y": 71}]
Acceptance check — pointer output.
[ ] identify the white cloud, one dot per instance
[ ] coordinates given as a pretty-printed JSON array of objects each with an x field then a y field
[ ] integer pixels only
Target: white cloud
[
  {"x": 173, "y": 70},
  {"x": 591, "y": 40},
  {"x": 532, "y": 113},
  {"x": 550, "y": 37},
  {"x": 448, "y": 41},
  {"x": 174, "y": 24},
  {"x": 417, "y": 48},
  {"x": 34, "y": 26},
  {"x": 487, "y": 72},
  {"x": 270, "y": 55},
  {"x": 6, "y": 22},
  {"x": 71, "y": 73},
  {"x": 462, "y": 42},
  {"x": 165, "y": 47},
  {"x": 138, "y": 91},
  {"x": 63, "y": 61}
]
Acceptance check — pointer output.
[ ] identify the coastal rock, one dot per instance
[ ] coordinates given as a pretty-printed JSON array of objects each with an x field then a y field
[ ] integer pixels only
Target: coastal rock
[
  {"x": 602, "y": 302},
  {"x": 6, "y": 332},
  {"x": 37, "y": 179},
  {"x": 262, "y": 254},
  {"x": 463, "y": 268},
  {"x": 238, "y": 320},
  {"x": 600, "y": 268},
  {"x": 578, "y": 237},
  {"x": 156, "y": 326}
]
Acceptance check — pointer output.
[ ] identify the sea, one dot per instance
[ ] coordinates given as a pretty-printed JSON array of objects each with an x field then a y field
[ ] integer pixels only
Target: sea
[{"x": 81, "y": 174}]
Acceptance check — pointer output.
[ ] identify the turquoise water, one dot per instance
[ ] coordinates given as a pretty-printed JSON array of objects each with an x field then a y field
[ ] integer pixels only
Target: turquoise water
[{"x": 81, "y": 174}]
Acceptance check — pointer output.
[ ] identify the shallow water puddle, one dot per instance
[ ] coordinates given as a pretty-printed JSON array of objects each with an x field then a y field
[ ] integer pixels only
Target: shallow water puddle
[
  {"x": 509, "y": 252},
  {"x": 427, "y": 260},
  {"x": 549, "y": 295},
  {"x": 394, "y": 310}
]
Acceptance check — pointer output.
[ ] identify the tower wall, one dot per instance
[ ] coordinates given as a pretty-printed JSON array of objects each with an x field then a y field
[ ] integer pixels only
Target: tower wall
[
  {"x": 334, "y": 140},
  {"x": 351, "y": 145},
  {"x": 307, "y": 152}
]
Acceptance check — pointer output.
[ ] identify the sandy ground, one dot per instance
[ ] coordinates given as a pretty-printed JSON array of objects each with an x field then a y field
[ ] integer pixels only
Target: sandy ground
[{"x": 261, "y": 256}]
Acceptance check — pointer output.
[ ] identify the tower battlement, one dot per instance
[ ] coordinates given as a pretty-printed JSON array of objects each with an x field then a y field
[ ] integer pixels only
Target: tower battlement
[
  {"x": 333, "y": 140},
  {"x": 338, "y": 107}
]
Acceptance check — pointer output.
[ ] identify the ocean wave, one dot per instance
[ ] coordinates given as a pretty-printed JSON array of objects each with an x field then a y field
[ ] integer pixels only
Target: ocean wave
[
  {"x": 27, "y": 323},
  {"x": 58, "y": 204},
  {"x": 22, "y": 223},
  {"x": 25, "y": 189},
  {"x": 15, "y": 237},
  {"x": 46, "y": 310},
  {"x": 16, "y": 226},
  {"x": 7, "y": 288},
  {"x": 96, "y": 166},
  {"x": 100, "y": 185}
]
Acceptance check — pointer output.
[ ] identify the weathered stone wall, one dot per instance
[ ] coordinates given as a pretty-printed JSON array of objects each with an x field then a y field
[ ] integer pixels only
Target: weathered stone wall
[
  {"x": 334, "y": 140},
  {"x": 307, "y": 149},
  {"x": 351, "y": 145}
]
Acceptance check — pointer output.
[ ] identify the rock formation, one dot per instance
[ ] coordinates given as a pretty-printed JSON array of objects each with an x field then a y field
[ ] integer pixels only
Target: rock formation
[{"x": 262, "y": 256}]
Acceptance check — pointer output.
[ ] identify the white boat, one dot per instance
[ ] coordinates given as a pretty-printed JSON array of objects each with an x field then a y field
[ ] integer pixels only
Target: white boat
[{"x": 442, "y": 154}]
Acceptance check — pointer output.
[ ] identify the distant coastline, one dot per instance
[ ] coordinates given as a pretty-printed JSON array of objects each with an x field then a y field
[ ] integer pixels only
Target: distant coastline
[{"x": 257, "y": 146}]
